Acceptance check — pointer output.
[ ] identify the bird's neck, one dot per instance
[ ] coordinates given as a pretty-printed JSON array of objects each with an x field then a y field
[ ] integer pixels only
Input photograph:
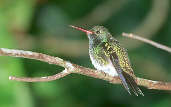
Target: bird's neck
[{"x": 95, "y": 41}]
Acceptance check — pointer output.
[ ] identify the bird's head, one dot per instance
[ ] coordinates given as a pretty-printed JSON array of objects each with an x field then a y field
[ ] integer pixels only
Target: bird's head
[{"x": 97, "y": 32}]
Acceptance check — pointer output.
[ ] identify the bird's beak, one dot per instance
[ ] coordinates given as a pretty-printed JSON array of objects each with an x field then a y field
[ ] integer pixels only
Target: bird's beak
[{"x": 81, "y": 29}]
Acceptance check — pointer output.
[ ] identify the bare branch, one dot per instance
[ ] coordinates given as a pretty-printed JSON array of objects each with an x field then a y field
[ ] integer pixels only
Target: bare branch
[
  {"x": 41, "y": 79},
  {"x": 157, "y": 45},
  {"x": 73, "y": 68},
  {"x": 150, "y": 25}
]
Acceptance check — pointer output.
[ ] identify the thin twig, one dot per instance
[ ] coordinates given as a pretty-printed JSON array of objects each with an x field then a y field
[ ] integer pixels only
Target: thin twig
[
  {"x": 41, "y": 79},
  {"x": 73, "y": 68},
  {"x": 150, "y": 25},
  {"x": 155, "y": 44}
]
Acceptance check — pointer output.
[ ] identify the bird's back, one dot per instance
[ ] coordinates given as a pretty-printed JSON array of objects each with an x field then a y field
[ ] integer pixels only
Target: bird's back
[{"x": 121, "y": 54}]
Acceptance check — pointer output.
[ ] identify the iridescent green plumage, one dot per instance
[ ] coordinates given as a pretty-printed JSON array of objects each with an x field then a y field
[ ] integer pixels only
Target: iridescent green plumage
[{"x": 108, "y": 56}]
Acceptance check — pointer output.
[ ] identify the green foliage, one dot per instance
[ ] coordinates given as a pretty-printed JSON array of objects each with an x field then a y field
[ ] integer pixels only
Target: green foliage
[
  {"x": 42, "y": 26},
  {"x": 12, "y": 94}
]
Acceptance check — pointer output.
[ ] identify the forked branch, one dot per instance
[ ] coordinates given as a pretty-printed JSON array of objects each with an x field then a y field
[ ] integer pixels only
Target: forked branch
[{"x": 73, "y": 68}]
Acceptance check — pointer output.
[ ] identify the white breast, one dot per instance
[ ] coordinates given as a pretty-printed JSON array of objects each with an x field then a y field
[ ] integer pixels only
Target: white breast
[{"x": 109, "y": 68}]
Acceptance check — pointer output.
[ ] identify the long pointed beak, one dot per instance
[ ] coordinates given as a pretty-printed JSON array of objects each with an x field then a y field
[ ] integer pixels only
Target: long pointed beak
[{"x": 81, "y": 29}]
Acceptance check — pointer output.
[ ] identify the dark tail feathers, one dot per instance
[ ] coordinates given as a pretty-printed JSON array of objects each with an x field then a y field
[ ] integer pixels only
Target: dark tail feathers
[{"x": 129, "y": 83}]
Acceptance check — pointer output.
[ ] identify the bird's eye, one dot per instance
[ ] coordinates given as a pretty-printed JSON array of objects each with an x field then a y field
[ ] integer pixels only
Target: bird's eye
[{"x": 98, "y": 32}]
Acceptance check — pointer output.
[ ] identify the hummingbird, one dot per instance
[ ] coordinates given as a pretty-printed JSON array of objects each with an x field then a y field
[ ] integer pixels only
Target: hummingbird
[{"x": 107, "y": 55}]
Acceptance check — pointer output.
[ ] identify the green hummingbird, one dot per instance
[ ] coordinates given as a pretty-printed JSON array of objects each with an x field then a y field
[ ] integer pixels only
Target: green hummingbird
[{"x": 108, "y": 56}]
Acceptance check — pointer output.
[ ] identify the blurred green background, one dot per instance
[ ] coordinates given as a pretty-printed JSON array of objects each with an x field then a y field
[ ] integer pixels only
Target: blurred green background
[{"x": 42, "y": 26}]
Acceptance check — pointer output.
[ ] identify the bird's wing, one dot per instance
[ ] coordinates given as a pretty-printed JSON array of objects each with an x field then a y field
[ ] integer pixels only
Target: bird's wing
[
  {"x": 122, "y": 55},
  {"x": 127, "y": 77}
]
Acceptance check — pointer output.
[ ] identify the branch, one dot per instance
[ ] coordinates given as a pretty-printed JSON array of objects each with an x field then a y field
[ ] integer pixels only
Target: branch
[
  {"x": 157, "y": 45},
  {"x": 73, "y": 68},
  {"x": 150, "y": 24},
  {"x": 41, "y": 79}
]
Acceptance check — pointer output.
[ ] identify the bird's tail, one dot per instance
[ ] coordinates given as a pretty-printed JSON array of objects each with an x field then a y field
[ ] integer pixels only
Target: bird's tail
[{"x": 129, "y": 83}]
